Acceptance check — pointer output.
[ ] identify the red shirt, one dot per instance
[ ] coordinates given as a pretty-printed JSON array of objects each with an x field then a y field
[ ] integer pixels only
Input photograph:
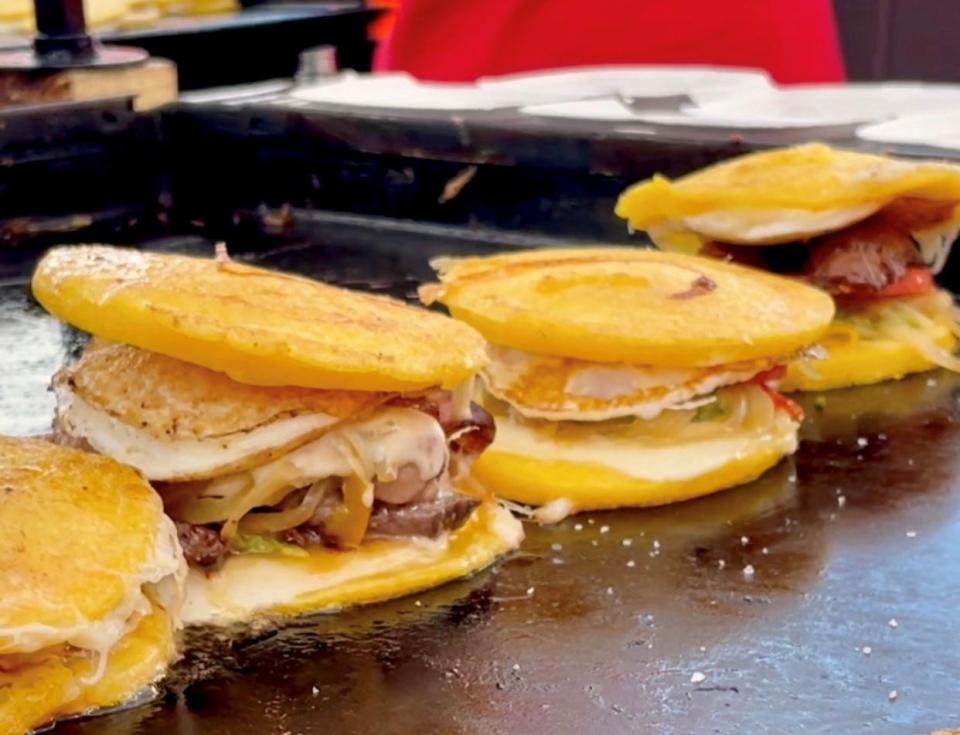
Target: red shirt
[{"x": 460, "y": 40}]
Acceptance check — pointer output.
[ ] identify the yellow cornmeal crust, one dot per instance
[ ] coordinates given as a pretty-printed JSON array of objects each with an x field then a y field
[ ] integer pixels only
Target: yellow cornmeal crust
[
  {"x": 630, "y": 305},
  {"x": 257, "y": 326},
  {"x": 591, "y": 486},
  {"x": 402, "y": 567},
  {"x": 812, "y": 177},
  {"x": 48, "y": 685},
  {"x": 171, "y": 399},
  {"x": 78, "y": 529},
  {"x": 861, "y": 363}
]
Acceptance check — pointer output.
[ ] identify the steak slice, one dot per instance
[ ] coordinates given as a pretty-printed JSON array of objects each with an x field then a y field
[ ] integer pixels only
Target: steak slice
[{"x": 202, "y": 545}]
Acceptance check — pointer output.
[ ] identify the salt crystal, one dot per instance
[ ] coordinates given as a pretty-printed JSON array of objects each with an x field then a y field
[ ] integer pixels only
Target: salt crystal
[
  {"x": 609, "y": 590},
  {"x": 911, "y": 534},
  {"x": 698, "y": 677},
  {"x": 892, "y": 695},
  {"x": 631, "y": 564},
  {"x": 656, "y": 544},
  {"x": 862, "y": 441},
  {"x": 893, "y": 623},
  {"x": 721, "y": 564},
  {"x": 604, "y": 529},
  {"x": 557, "y": 560},
  {"x": 577, "y": 526},
  {"x": 627, "y": 542},
  {"x": 556, "y": 547},
  {"x": 529, "y": 591},
  {"x": 764, "y": 550},
  {"x": 744, "y": 540},
  {"x": 418, "y": 603},
  {"x": 748, "y": 570},
  {"x": 841, "y": 501},
  {"x": 516, "y": 667},
  {"x": 866, "y": 650}
]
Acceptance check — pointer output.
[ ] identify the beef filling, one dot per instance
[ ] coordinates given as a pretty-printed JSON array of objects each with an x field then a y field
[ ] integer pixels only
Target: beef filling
[
  {"x": 434, "y": 509},
  {"x": 857, "y": 261}
]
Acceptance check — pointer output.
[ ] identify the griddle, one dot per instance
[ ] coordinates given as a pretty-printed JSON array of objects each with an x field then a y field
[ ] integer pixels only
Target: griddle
[{"x": 633, "y": 621}]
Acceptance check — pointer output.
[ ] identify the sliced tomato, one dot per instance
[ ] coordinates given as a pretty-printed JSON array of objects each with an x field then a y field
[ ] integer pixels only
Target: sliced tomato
[
  {"x": 782, "y": 403},
  {"x": 915, "y": 281},
  {"x": 774, "y": 373}
]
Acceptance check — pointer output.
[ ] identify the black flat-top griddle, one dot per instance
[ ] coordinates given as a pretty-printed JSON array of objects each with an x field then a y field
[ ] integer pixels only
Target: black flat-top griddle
[{"x": 634, "y": 621}]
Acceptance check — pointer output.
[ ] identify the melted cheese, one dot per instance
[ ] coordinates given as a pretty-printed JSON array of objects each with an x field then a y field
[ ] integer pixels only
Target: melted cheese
[
  {"x": 935, "y": 243},
  {"x": 656, "y": 462},
  {"x": 161, "y": 578},
  {"x": 769, "y": 226},
  {"x": 170, "y": 459},
  {"x": 384, "y": 442},
  {"x": 329, "y": 580}
]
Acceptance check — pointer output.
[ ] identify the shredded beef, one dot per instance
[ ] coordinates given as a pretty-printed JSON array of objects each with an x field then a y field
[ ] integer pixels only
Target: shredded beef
[
  {"x": 202, "y": 545},
  {"x": 864, "y": 258}
]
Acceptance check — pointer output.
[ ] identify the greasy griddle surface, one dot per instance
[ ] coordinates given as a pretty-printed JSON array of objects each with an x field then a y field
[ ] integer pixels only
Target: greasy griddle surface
[{"x": 599, "y": 623}]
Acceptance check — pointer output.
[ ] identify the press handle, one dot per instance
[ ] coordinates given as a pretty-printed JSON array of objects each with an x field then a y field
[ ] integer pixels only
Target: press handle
[{"x": 62, "y": 31}]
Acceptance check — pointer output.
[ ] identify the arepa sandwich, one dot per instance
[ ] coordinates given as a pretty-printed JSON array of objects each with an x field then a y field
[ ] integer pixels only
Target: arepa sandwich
[
  {"x": 870, "y": 230},
  {"x": 628, "y": 377},
  {"x": 91, "y": 586},
  {"x": 306, "y": 439}
]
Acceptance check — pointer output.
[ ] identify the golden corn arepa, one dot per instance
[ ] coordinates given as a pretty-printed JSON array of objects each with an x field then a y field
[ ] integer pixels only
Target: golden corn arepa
[
  {"x": 257, "y": 326},
  {"x": 887, "y": 340},
  {"x": 91, "y": 587},
  {"x": 327, "y": 580},
  {"x": 602, "y": 358},
  {"x": 794, "y": 194},
  {"x": 630, "y": 306},
  {"x": 569, "y": 467},
  {"x": 779, "y": 196}
]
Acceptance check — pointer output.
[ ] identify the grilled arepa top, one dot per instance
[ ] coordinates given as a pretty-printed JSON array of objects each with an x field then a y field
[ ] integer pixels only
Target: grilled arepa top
[
  {"x": 781, "y": 196},
  {"x": 257, "y": 326},
  {"x": 622, "y": 305},
  {"x": 82, "y": 536}
]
